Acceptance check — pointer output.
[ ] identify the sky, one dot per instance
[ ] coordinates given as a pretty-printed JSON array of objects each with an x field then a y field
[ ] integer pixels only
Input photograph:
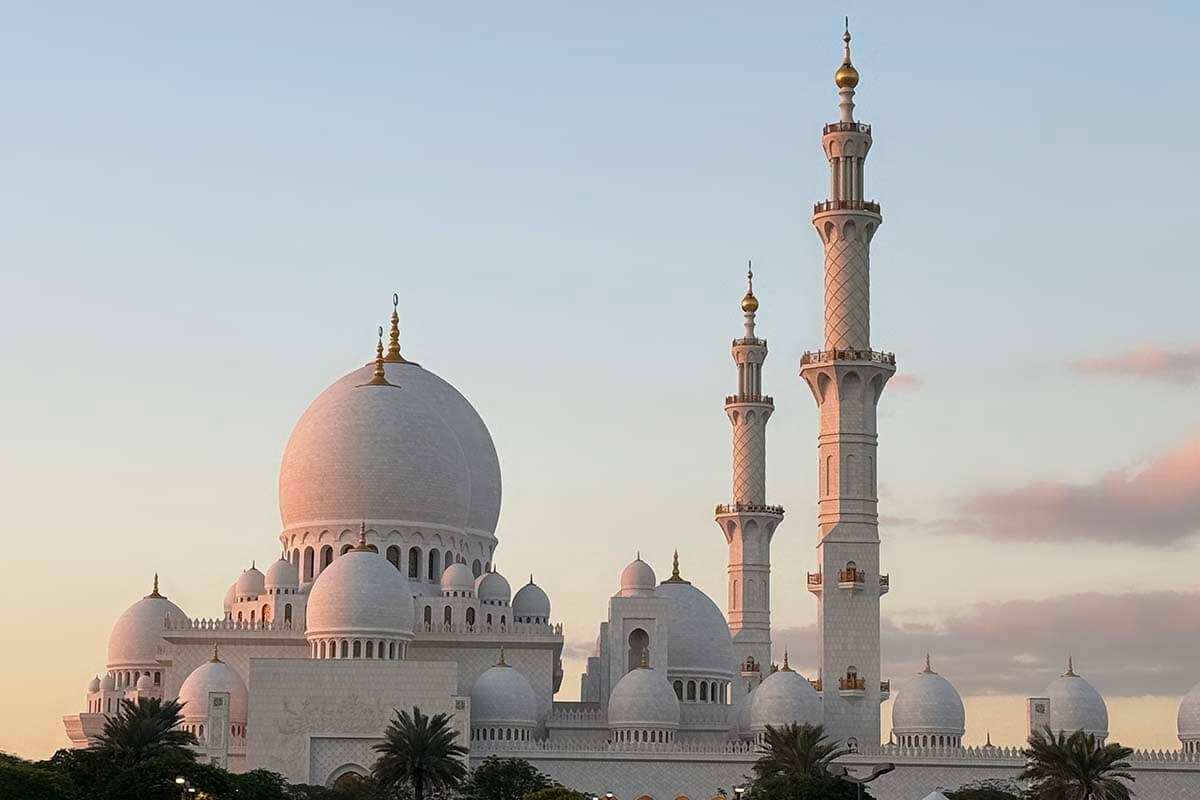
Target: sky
[{"x": 205, "y": 210}]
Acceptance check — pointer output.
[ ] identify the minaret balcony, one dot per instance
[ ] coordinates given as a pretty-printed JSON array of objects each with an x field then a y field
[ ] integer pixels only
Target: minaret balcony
[
  {"x": 814, "y": 582},
  {"x": 847, "y": 127},
  {"x": 761, "y": 399},
  {"x": 846, "y": 205},
  {"x": 853, "y": 579},
  {"x": 852, "y": 686},
  {"x": 824, "y": 356},
  {"x": 885, "y": 690},
  {"x": 816, "y": 684},
  {"x": 748, "y": 508},
  {"x": 885, "y": 583}
]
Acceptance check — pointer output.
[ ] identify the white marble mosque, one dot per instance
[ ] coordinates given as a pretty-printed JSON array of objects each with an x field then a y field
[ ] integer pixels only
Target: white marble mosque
[{"x": 386, "y": 595}]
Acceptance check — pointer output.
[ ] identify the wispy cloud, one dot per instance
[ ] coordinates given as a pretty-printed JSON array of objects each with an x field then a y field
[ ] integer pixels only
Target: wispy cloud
[
  {"x": 1157, "y": 503},
  {"x": 1126, "y": 644},
  {"x": 1153, "y": 363},
  {"x": 906, "y": 380}
]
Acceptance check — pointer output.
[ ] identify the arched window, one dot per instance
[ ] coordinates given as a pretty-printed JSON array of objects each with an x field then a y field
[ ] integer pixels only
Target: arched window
[
  {"x": 428, "y": 615},
  {"x": 446, "y": 617},
  {"x": 322, "y": 650},
  {"x": 703, "y": 691},
  {"x": 252, "y": 616},
  {"x": 287, "y": 612},
  {"x": 266, "y": 614},
  {"x": 370, "y": 649},
  {"x": 639, "y": 646},
  {"x": 345, "y": 649},
  {"x": 435, "y": 563},
  {"x": 470, "y": 616},
  {"x": 448, "y": 561},
  {"x": 357, "y": 648},
  {"x": 852, "y": 744},
  {"x": 158, "y": 679},
  {"x": 346, "y": 548},
  {"x": 691, "y": 690},
  {"x": 489, "y": 619},
  {"x": 503, "y": 619},
  {"x": 201, "y": 731},
  {"x": 392, "y": 651},
  {"x": 239, "y": 616},
  {"x": 326, "y": 556},
  {"x": 393, "y": 556},
  {"x": 414, "y": 562},
  {"x": 476, "y": 568},
  {"x": 308, "y": 564}
]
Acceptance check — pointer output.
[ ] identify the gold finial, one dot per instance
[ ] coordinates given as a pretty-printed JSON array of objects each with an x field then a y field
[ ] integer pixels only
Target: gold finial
[
  {"x": 154, "y": 589},
  {"x": 749, "y": 302},
  {"x": 645, "y": 659},
  {"x": 675, "y": 572},
  {"x": 928, "y": 669},
  {"x": 362, "y": 538},
  {"x": 216, "y": 656},
  {"x": 378, "y": 377},
  {"x": 989, "y": 739},
  {"x": 846, "y": 76},
  {"x": 501, "y": 663},
  {"x": 1070, "y": 673},
  {"x": 786, "y": 667}
]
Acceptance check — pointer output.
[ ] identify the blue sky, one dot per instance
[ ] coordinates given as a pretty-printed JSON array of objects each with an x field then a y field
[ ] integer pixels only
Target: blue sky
[{"x": 205, "y": 212}]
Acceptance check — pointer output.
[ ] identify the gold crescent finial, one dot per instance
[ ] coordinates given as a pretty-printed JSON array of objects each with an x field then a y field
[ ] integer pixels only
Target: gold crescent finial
[
  {"x": 645, "y": 659},
  {"x": 928, "y": 669},
  {"x": 378, "y": 377},
  {"x": 501, "y": 663},
  {"x": 216, "y": 656},
  {"x": 393, "y": 349},
  {"x": 846, "y": 76},
  {"x": 749, "y": 302},
  {"x": 786, "y": 667},
  {"x": 1070, "y": 673},
  {"x": 675, "y": 578},
  {"x": 154, "y": 589},
  {"x": 362, "y": 538}
]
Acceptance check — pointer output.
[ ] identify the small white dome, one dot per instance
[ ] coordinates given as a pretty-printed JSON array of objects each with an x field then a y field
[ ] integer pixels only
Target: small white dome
[
  {"x": 214, "y": 676},
  {"x": 502, "y": 696},
  {"x": 458, "y": 578},
  {"x": 643, "y": 698},
  {"x": 1189, "y": 715},
  {"x": 282, "y": 575},
  {"x": 108, "y": 683},
  {"x": 785, "y": 697},
  {"x": 1075, "y": 705},
  {"x": 144, "y": 684},
  {"x": 94, "y": 684},
  {"x": 230, "y": 597},
  {"x": 637, "y": 579},
  {"x": 360, "y": 594},
  {"x": 700, "y": 641},
  {"x": 137, "y": 633},
  {"x": 250, "y": 583},
  {"x": 928, "y": 704},
  {"x": 492, "y": 586},
  {"x": 531, "y": 603}
]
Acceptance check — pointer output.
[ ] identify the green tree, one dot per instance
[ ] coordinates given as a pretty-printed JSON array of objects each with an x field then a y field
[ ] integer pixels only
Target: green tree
[
  {"x": 1075, "y": 767},
  {"x": 988, "y": 789},
  {"x": 803, "y": 787},
  {"x": 503, "y": 779},
  {"x": 796, "y": 751},
  {"x": 144, "y": 729},
  {"x": 421, "y": 751},
  {"x": 34, "y": 781},
  {"x": 557, "y": 793}
]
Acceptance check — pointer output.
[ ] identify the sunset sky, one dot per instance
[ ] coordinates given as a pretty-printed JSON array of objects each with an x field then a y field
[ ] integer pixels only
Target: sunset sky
[{"x": 206, "y": 211}]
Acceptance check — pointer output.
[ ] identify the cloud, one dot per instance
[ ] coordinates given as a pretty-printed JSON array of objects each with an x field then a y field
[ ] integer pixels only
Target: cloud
[
  {"x": 1180, "y": 367},
  {"x": 1157, "y": 504},
  {"x": 1127, "y": 645},
  {"x": 906, "y": 380}
]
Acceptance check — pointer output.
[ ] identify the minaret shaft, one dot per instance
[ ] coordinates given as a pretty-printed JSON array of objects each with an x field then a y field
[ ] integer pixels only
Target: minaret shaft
[
  {"x": 747, "y": 521},
  {"x": 847, "y": 379}
]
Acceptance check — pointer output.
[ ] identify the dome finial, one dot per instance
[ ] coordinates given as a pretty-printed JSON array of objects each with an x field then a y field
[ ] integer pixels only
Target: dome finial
[
  {"x": 786, "y": 666},
  {"x": 501, "y": 663},
  {"x": 989, "y": 739},
  {"x": 362, "y": 538},
  {"x": 675, "y": 571},
  {"x": 645, "y": 658},
  {"x": 216, "y": 656},
  {"x": 393, "y": 349},
  {"x": 154, "y": 589},
  {"x": 1070, "y": 673},
  {"x": 378, "y": 377},
  {"x": 749, "y": 302},
  {"x": 846, "y": 76},
  {"x": 928, "y": 669}
]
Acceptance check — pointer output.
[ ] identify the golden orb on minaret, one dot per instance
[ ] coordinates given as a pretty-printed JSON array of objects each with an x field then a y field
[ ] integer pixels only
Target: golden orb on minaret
[{"x": 846, "y": 76}]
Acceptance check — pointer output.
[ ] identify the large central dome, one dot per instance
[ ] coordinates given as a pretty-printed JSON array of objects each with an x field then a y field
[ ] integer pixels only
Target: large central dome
[{"x": 414, "y": 453}]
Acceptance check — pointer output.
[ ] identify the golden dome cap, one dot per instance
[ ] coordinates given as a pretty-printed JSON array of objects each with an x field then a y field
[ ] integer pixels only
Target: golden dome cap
[
  {"x": 749, "y": 302},
  {"x": 846, "y": 76}
]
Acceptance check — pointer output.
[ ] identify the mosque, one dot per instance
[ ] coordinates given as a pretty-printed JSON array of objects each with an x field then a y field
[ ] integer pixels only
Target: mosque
[{"x": 386, "y": 595}]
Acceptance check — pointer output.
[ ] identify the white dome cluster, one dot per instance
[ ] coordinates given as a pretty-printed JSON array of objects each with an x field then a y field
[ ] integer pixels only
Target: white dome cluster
[
  {"x": 1188, "y": 721},
  {"x": 643, "y": 708},
  {"x": 531, "y": 605},
  {"x": 457, "y": 581},
  {"x": 637, "y": 579},
  {"x": 928, "y": 712},
  {"x": 414, "y": 453},
  {"x": 281, "y": 576},
  {"x": 503, "y": 705},
  {"x": 250, "y": 584},
  {"x": 701, "y": 646},
  {"x": 360, "y": 607},
  {"x": 492, "y": 589},
  {"x": 137, "y": 633},
  {"x": 785, "y": 697},
  {"x": 213, "y": 676}
]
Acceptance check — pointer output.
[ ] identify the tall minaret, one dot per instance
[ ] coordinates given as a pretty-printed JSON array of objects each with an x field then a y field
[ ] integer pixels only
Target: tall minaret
[
  {"x": 847, "y": 378},
  {"x": 748, "y": 522}
]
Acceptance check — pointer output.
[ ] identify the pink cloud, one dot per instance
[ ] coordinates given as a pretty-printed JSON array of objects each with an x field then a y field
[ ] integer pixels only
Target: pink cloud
[
  {"x": 1157, "y": 505},
  {"x": 906, "y": 380},
  {"x": 1145, "y": 643},
  {"x": 1180, "y": 367}
]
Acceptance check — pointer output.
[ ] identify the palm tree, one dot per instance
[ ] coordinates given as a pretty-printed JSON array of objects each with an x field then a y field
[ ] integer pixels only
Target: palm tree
[
  {"x": 421, "y": 750},
  {"x": 1075, "y": 767},
  {"x": 143, "y": 729},
  {"x": 796, "y": 751}
]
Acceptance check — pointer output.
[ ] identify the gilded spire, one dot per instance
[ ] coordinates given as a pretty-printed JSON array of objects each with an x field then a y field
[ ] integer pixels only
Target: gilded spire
[
  {"x": 154, "y": 591},
  {"x": 393, "y": 349},
  {"x": 749, "y": 302},
  {"x": 675, "y": 571},
  {"x": 786, "y": 667},
  {"x": 362, "y": 538},
  {"x": 378, "y": 377},
  {"x": 501, "y": 663},
  {"x": 216, "y": 656},
  {"x": 1070, "y": 673},
  {"x": 928, "y": 669},
  {"x": 846, "y": 76},
  {"x": 645, "y": 659}
]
